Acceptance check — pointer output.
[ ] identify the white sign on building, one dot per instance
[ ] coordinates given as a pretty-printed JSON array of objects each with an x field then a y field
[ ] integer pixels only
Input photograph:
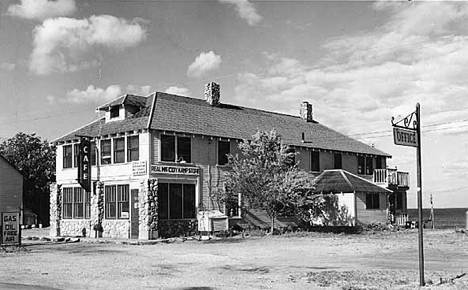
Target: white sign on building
[
  {"x": 139, "y": 168},
  {"x": 10, "y": 228},
  {"x": 174, "y": 170}
]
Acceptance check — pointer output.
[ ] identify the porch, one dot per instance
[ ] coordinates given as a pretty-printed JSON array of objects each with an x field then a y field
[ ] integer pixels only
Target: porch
[{"x": 391, "y": 178}]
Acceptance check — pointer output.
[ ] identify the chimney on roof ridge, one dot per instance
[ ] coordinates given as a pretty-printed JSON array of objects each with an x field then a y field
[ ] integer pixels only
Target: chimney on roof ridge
[
  {"x": 306, "y": 112},
  {"x": 212, "y": 93}
]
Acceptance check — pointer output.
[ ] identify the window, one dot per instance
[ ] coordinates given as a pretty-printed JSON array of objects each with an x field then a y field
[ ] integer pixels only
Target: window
[
  {"x": 167, "y": 148},
  {"x": 379, "y": 163},
  {"x": 369, "y": 165},
  {"x": 314, "y": 161},
  {"x": 176, "y": 151},
  {"x": 133, "y": 150},
  {"x": 106, "y": 152},
  {"x": 87, "y": 206},
  {"x": 337, "y": 159},
  {"x": 110, "y": 196},
  {"x": 76, "y": 153},
  {"x": 224, "y": 148},
  {"x": 176, "y": 201},
  {"x": 76, "y": 203},
  {"x": 67, "y": 156},
  {"x": 117, "y": 201},
  {"x": 372, "y": 201},
  {"x": 114, "y": 112},
  {"x": 67, "y": 203},
  {"x": 361, "y": 164},
  {"x": 93, "y": 153},
  {"x": 119, "y": 150},
  {"x": 184, "y": 149}
]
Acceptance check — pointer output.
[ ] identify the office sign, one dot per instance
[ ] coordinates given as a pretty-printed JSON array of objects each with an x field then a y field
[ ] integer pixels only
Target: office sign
[
  {"x": 139, "y": 168},
  {"x": 84, "y": 165},
  {"x": 405, "y": 137},
  {"x": 167, "y": 169},
  {"x": 10, "y": 228}
]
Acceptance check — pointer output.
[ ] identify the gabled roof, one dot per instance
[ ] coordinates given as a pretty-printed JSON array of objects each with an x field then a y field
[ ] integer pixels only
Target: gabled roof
[
  {"x": 132, "y": 100},
  {"x": 11, "y": 164},
  {"x": 339, "y": 180},
  {"x": 99, "y": 127},
  {"x": 196, "y": 116},
  {"x": 168, "y": 112}
]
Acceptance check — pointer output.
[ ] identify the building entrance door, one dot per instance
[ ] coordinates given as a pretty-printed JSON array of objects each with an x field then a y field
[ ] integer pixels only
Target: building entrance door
[{"x": 134, "y": 212}]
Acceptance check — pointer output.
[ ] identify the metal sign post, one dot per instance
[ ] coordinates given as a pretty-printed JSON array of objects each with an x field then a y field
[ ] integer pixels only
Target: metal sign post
[{"x": 407, "y": 132}]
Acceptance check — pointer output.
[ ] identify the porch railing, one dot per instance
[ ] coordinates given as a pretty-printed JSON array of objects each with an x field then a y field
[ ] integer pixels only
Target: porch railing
[{"x": 391, "y": 177}]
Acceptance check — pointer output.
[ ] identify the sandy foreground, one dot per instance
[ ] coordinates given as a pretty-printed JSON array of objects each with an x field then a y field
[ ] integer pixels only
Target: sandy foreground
[{"x": 380, "y": 260}]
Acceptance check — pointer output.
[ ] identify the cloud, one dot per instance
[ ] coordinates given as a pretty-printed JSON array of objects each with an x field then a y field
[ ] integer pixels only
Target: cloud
[
  {"x": 66, "y": 44},
  {"x": 8, "y": 66},
  {"x": 246, "y": 10},
  {"x": 51, "y": 99},
  {"x": 366, "y": 78},
  {"x": 205, "y": 62},
  {"x": 93, "y": 95},
  {"x": 179, "y": 91},
  {"x": 42, "y": 9},
  {"x": 141, "y": 91}
]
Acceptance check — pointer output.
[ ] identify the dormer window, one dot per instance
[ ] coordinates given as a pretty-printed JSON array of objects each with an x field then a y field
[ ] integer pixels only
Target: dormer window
[{"x": 114, "y": 112}]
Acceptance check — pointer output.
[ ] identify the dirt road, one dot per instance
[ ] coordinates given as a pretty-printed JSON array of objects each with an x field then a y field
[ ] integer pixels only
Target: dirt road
[{"x": 386, "y": 260}]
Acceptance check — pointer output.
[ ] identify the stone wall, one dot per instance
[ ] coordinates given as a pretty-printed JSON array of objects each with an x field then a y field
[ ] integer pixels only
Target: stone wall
[
  {"x": 148, "y": 208},
  {"x": 177, "y": 228},
  {"x": 55, "y": 209},
  {"x": 116, "y": 229},
  {"x": 73, "y": 227}
]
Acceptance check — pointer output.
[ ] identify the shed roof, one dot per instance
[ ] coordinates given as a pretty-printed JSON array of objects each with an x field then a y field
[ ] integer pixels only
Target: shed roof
[
  {"x": 339, "y": 180},
  {"x": 169, "y": 112}
]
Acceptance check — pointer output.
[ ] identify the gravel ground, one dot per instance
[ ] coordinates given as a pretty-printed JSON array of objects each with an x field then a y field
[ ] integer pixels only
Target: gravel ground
[{"x": 379, "y": 260}]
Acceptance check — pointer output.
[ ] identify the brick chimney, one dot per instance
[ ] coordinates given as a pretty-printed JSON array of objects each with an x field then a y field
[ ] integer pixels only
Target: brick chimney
[
  {"x": 306, "y": 112},
  {"x": 212, "y": 93}
]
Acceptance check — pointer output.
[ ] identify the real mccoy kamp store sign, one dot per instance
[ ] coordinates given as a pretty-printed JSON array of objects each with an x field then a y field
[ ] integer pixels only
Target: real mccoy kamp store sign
[
  {"x": 10, "y": 228},
  {"x": 167, "y": 169}
]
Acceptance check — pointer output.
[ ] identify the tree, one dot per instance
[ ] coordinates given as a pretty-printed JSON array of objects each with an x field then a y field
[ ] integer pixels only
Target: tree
[
  {"x": 35, "y": 159},
  {"x": 268, "y": 178}
]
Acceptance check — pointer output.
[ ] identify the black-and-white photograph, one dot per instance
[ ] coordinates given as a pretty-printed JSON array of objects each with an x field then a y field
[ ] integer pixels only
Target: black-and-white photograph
[{"x": 233, "y": 144}]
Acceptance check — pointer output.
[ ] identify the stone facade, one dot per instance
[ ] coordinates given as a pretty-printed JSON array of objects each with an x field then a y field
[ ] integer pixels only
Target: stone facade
[
  {"x": 76, "y": 228},
  {"x": 55, "y": 209},
  {"x": 177, "y": 228},
  {"x": 148, "y": 211},
  {"x": 116, "y": 228}
]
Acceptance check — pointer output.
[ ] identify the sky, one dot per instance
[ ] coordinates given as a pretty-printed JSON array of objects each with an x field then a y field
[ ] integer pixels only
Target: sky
[{"x": 358, "y": 63}]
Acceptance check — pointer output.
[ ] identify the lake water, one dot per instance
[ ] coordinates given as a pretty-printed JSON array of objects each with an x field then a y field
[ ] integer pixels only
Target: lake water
[{"x": 445, "y": 218}]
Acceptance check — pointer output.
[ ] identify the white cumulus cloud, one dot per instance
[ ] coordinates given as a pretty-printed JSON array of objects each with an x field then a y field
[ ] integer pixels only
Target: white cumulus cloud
[
  {"x": 205, "y": 62},
  {"x": 42, "y": 9},
  {"x": 65, "y": 44},
  {"x": 246, "y": 10},
  {"x": 8, "y": 66},
  {"x": 93, "y": 95},
  {"x": 139, "y": 90},
  {"x": 179, "y": 91}
]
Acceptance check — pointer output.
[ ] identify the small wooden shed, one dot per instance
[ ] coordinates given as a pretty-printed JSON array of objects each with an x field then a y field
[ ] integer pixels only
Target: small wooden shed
[
  {"x": 11, "y": 187},
  {"x": 364, "y": 202}
]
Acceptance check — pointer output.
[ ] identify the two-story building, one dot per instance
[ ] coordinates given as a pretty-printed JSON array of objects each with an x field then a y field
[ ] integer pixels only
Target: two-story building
[{"x": 158, "y": 162}]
